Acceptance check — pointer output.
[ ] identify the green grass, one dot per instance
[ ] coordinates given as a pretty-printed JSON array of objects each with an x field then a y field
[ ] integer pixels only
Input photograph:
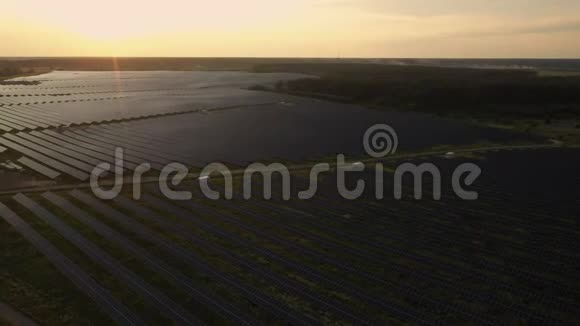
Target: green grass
[{"x": 566, "y": 131}]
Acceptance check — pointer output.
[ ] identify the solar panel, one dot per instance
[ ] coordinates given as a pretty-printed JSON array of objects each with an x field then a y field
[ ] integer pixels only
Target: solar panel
[
  {"x": 251, "y": 292},
  {"x": 176, "y": 277},
  {"x": 155, "y": 297},
  {"x": 44, "y": 112},
  {"x": 45, "y": 159},
  {"x": 126, "y": 130},
  {"x": 72, "y": 145},
  {"x": 52, "y": 153},
  {"x": 30, "y": 116},
  {"x": 147, "y": 145},
  {"x": 60, "y": 149},
  {"x": 10, "y": 123},
  {"x": 22, "y": 121},
  {"x": 48, "y": 172},
  {"x": 135, "y": 151},
  {"x": 113, "y": 308},
  {"x": 131, "y": 160},
  {"x": 101, "y": 153},
  {"x": 5, "y": 128}
]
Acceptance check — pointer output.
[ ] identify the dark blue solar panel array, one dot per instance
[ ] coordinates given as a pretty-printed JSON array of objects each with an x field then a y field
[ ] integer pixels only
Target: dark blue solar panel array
[{"x": 194, "y": 118}]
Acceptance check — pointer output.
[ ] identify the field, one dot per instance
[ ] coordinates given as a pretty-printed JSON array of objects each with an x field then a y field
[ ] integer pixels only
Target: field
[
  {"x": 508, "y": 257},
  {"x": 192, "y": 117}
]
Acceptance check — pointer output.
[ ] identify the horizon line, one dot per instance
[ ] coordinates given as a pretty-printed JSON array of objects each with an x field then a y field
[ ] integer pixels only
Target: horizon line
[{"x": 280, "y": 57}]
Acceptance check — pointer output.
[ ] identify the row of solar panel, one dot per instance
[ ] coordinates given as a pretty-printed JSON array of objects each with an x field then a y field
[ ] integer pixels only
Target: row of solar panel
[
  {"x": 28, "y": 117},
  {"x": 22, "y": 116},
  {"x": 29, "y": 92},
  {"x": 51, "y": 100},
  {"x": 44, "y": 87},
  {"x": 77, "y": 151}
]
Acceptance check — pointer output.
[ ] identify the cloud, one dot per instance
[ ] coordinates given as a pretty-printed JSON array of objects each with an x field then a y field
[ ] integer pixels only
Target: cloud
[
  {"x": 537, "y": 27},
  {"x": 457, "y": 7},
  {"x": 565, "y": 26},
  {"x": 553, "y": 38}
]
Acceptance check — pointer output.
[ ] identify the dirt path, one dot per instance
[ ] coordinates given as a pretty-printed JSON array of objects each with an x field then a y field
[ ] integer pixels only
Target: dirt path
[{"x": 297, "y": 167}]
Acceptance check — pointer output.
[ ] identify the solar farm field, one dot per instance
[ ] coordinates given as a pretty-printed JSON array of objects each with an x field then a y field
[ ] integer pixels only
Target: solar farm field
[
  {"x": 68, "y": 121},
  {"x": 508, "y": 258}
]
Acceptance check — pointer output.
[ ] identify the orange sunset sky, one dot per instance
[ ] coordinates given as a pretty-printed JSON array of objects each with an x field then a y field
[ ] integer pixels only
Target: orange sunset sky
[{"x": 298, "y": 28}]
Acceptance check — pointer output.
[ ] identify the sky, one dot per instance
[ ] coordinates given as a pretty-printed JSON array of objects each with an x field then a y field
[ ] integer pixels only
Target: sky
[{"x": 296, "y": 28}]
